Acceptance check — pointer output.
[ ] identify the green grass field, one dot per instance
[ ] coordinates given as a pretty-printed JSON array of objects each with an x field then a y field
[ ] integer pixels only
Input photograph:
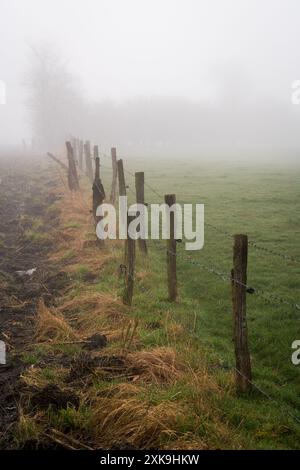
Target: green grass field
[{"x": 264, "y": 203}]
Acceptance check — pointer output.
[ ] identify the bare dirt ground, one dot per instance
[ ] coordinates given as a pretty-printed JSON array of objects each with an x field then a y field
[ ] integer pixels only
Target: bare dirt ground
[{"x": 24, "y": 197}]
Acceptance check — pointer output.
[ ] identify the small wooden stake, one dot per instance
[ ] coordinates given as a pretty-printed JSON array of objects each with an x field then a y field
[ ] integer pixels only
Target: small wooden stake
[
  {"x": 129, "y": 275},
  {"x": 239, "y": 281},
  {"x": 72, "y": 171},
  {"x": 170, "y": 199},
  {"x": 113, "y": 194},
  {"x": 140, "y": 199}
]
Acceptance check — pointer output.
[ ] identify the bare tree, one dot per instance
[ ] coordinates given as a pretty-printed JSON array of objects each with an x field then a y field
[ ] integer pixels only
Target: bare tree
[{"x": 55, "y": 102}]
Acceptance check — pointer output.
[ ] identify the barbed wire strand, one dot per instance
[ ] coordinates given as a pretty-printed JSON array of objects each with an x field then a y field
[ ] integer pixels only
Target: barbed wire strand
[{"x": 226, "y": 278}]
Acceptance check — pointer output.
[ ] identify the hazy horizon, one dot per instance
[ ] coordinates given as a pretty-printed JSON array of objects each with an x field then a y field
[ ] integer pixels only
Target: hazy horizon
[{"x": 173, "y": 77}]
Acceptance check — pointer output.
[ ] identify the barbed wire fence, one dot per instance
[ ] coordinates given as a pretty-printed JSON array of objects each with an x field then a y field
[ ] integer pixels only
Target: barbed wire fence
[
  {"x": 270, "y": 298},
  {"x": 273, "y": 299}
]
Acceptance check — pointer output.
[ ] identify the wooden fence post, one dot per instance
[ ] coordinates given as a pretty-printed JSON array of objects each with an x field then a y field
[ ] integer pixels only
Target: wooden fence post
[
  {"x": 75, "y": 150},
  {"x": 122, "y": 185},
  {"x": 130, "y": 256},
  {"x": 88, "y": 160},
  {"x": 98, "y": 189},
  {"x": 122, "y": 192},
  {"x": 140, "y": 199},
  {"x": 170, "y": 199},
  {"x": 113, "y": 193},
  {"x": 72, "y": 171},
  {"x": 239, "y": 282}
]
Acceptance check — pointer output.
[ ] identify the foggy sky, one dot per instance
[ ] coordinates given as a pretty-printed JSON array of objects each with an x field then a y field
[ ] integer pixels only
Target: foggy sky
[{"x": 203, "y": 50}]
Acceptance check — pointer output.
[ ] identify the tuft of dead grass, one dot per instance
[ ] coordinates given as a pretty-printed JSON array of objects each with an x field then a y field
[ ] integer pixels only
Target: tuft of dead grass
[
  {"x": 52, "y": 326},
  {"x": 96, "y": 312},
  {"x": 159, "y": 365},
  {"x": 122, "y": 419}
]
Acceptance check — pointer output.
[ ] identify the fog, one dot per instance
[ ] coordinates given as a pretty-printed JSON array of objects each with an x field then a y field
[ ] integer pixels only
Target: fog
[{"x": 191, "y": 78}]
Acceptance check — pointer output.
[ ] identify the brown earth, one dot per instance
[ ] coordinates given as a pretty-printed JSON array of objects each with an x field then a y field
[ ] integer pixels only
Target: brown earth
[{"x": 25, "y": 194}]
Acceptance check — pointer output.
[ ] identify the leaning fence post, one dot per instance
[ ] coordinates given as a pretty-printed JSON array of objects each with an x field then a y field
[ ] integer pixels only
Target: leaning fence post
[
  {"x": 239, "y": 290},
  {"x": 130, "y": 256},
  {"x": 170, "y": 199},
  {"x": 113, "y": 193},
  {"x": 72, "y": 171},
  {"x": 140, "y": 199}
]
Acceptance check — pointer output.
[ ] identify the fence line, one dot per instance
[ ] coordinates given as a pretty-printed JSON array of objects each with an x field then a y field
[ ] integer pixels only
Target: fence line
[
  {"x": 269, "y": 298},
  {"x": 243, "y": 371}
]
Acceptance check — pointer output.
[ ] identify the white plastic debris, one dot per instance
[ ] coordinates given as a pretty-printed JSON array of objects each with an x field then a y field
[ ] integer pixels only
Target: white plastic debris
[{"x": 29, "y": 272}]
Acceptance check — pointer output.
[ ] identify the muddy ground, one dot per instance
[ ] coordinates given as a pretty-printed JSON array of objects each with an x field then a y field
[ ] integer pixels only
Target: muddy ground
[{"x": 26, "y": 194}]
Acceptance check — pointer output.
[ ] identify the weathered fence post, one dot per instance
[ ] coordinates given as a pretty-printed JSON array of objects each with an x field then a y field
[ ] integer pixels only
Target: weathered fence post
[
  {"x": 98, "y": 190},
  {"x": 130, "y": 256},
  {"x": 140, "y": 199},
  {"x": 80, "y": 154},
  {"x": 88, "y": 160},
  {"x": 170, "y": 199},
  {"x": 72, "y": 171},
  {"x": 122, "y": 192},
  {"x": 113, "y": 193},
  {"x": 239, "y": 282},
  {"x": 75, "y": 153},
  {"x": 122, "y": 185}
]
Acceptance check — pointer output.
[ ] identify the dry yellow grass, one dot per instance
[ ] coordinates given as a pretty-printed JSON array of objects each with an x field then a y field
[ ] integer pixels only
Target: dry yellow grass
[
  {"x": 122, "y": 419},
  {"x": 158, "y": 365},
  {"x": 75, "y": 240},
  {"x": 94, "y": 312},
  {"x": 52, "y": 326}
]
